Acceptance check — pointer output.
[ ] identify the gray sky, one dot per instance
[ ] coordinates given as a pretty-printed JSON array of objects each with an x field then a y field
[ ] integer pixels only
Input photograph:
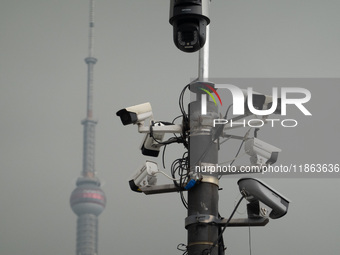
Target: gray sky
[{"x": 43, "y": 96}]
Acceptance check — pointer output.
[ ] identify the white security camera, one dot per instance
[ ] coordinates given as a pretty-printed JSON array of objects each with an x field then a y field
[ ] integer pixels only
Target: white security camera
[
  {"x": 189, "y": 19},
  {"x": 135, "y": 114},
  {"x": 256, "y": 191},
  {"x": 261, "y": 153},
  {"x": 145, "y": 176},
  {"x": 152, "y": 142}
]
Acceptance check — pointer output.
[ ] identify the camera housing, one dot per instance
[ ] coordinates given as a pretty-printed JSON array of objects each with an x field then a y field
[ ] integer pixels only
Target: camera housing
[
  {"x": 135, "y": 114},
  {"x": 256, "y": 191},
  {"x": 152, "y": 142},
  {"x": 261, "y": 153},
  {"x": 189, "y": 19},
  {"x": 148, "y": 171}
]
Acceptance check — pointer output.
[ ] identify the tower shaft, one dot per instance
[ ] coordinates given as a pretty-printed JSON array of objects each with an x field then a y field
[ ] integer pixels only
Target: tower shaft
[
  {"x": 88, "y": 148},
  {"x": 89, "y": 123},
  {"x": 87, "y": 234}
]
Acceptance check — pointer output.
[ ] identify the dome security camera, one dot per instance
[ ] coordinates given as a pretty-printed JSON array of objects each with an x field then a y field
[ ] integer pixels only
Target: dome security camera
[{"x": 189, "y": 19}]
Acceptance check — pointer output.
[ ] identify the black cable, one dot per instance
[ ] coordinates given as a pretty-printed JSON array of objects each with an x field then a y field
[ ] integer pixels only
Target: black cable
[
  {"x": 180, "y": 168},
  {"x": 231, "y": 216},
  {"x": 226, "y": 113},
  {"x": 185, "y": 203},
  {"x": 238, "y": 152},
  {"x": 221, "y": 127},
  {"x": 223, "y": 229},
  {"x": 221, "y": 246},
  {"x": 181, "y": 101},
  {"x": 163, "y": 156},
  {"x": 173, "y": 121},
  {"x": 185, "y": 121}
]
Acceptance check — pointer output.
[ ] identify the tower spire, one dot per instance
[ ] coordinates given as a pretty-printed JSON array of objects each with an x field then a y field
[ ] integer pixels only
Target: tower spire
[
  {"x": 90, "y": 61},
  {"x": 91, "y": 29},
  {"x": 88, "y": 199},
  {"x": 89, "y": 123}
]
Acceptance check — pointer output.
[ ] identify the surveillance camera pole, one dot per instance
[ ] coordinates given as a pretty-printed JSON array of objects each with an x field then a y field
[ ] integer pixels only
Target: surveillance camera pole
[
  {"x": 203, "y": 58},
  {"x": 203, "y": 197}
]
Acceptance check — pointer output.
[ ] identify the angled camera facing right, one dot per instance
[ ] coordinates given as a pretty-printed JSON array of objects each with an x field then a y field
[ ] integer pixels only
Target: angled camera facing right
[{"x": 255, "y": 192}]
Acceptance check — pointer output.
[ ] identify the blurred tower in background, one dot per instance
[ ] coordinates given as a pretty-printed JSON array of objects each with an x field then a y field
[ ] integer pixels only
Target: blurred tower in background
[{"x": 88, "y": 199}]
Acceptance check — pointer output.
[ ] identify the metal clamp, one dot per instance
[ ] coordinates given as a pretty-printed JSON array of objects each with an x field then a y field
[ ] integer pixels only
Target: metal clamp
[
  {"x": 213, "y": 220},
  {"x": 201, "y": 219},
  {"x": 210, "y": 179}
]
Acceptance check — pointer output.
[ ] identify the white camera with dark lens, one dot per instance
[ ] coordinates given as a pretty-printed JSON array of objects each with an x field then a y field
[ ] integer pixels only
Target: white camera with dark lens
[
  {"x": 135, "y": 114},
  {"x": 145, "y": 176},
  {"x": 189, "y": 19},
  {"x": 261, "y": 153},
  {"x": 256, "y": 191},
  {"x": 152, "y": 142}
]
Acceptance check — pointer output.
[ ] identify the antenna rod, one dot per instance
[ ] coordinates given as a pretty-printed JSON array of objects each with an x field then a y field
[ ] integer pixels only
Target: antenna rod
[
  {"x": 91, "y": 29},
  {"x": 90, "y": 61}
]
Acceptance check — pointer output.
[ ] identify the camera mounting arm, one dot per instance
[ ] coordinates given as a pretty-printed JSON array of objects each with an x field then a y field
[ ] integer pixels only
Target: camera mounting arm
[{"x": 173, "y": 128}]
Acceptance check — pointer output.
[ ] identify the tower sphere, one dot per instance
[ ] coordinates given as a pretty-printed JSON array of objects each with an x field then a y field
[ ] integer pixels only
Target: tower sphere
[{"x": 88, "y": 197}]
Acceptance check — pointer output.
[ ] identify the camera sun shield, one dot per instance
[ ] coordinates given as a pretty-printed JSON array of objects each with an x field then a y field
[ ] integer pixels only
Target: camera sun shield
[
  {"x": 254, "y": 190},
  {"x": 135, "y": 114}
]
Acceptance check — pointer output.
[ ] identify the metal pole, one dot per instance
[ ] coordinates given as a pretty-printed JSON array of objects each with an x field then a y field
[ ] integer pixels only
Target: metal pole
[
  {"x": 203, "y": 58},
  {"x": 203, "y": 197},
  {"x": 203, "y": 68}
]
